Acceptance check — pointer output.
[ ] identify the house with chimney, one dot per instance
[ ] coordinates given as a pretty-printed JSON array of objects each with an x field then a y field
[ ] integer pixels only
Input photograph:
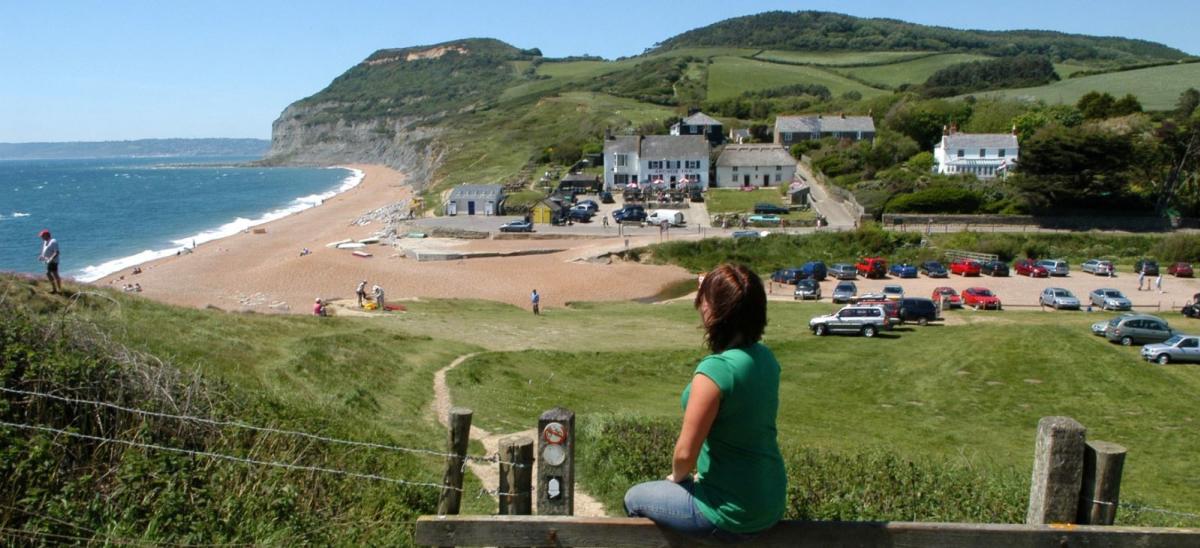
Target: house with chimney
[
  {"x": 790, "y": 130},
  {"x": 699, "y": 123},
  {"x": 670, "y": 160},
  {"x": 754, "y": 165},
  {"x": 984, "y": 155}
]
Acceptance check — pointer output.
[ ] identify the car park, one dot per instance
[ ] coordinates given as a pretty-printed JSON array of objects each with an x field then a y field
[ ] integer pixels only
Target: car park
[
  {"x": 1178, "y": 348},
  {"x": 867, "y": 321},
  {"x": 844, "y": 292},
  {"x": 980, "y": 298},
  {"x": 1108, "y": 298},
  {"x": 815, "y": 270},
  {"x": 606, "y": 198},
  {"x": 915, "y": 309},
  {"x": 1147, "y": 266},
  {"x": 1028, "y": 267},
  {"x": 1059, "y": 299},
  {"x": 872, "y": 267},
  {"x": 589, "y": 205},
  {"x": 903, "y": 270},
  {"x": 764, "y": 219},
  {"x": 843, "y": 271},
  {"x": 787, "y": 275},
  {"x": 1099, "y": 267},
  {"x": 934, "y": 269},
  {"x": 807, "y": 288},
  {"x": 890, "y": 308},
  {"x": 948, "y": 297},
  {"x": 1180, "y": 270},
  {"x": 965, "y": 267},
  {"x": 517, "y": 226},
  {"x": 1056, "y": 267},
  {"x": 581, "y": 215},
  {"x": 993, "y": 268},
  {"x": 1129, "y": 329},
  {"x": 770, "y": 209},
  {"x": 630, "y": 213},
  {"x": 893, "y": 292}
]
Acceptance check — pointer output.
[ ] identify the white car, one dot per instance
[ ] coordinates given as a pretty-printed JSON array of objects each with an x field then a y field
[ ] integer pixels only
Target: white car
[
  {"x": 1110, "y": 299},
  {"x": 867, "y": 321},
  {"x": 1098, "y": 267},
  {"x": 1059, "y": 298},
  {"x": 893, "y": 292},
  {"x": 1179, "y": 348}
]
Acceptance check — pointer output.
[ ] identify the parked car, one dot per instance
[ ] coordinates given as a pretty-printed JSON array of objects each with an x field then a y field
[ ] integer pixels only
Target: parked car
[
  {"x": 965, "y": 267},
  {"x": 903, "y": 270},
  {"x": 1101, "y": 327},
  {"x": 948, "y": 297},
  {"x": 893, "y": 292},
  {"x": 815, "y": 270},
  {"x": 865, "y": 320},
  {"x": 914, "y": 309},
  {"x": 771, "y": 209},
  {"x": 1059, "y": 298},
  {"x": 581, "y": 215},
  {"x": 1056, "y": 267},
  {"x": 764, "y": 219},
  {"x": 1178, "y": 348},
  {"x": 993, "y": 268},
  {"x": 589, "y": 205},
  {"x": 843, "y": 271},
  {"x": 787, "y": 275},
  {"x": 752, "y": 234},
  {"x": 1099, "y": 267},
  {"x": 934, "y": 269},
  {"x": 670, "y": 217},
  {"x": 1149, "y": 266},
  {"x": 1180, "y": 270},
  {"x": 1028, "y": 267},
  {"x": 844, "y": 292},
  {"x": 516, "y": 226},
  {"x": 630, "y": 213},
  {"x": 1192, "y": 309},
  {"x": 1109, "y": 299},
  {"x": 1137, "y": 328},
  {"x": 872, "y": 267},
  {"x": 980, "y": 297},
  {"x": 606, "y": 197},
  {"x": 890, "y": 308},
  {"x": 807, "y": 288},
  {"x": 696, "y": 195}
]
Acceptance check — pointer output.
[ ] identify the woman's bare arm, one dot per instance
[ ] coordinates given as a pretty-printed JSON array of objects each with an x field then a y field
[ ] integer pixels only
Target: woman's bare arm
[{"x": 698, "y": 418}]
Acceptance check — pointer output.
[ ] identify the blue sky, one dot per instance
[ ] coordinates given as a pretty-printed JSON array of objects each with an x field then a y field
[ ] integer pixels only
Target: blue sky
[{"x": 101, "y": 70}]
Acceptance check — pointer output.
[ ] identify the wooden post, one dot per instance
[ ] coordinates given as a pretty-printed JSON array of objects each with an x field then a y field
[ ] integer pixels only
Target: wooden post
[
  {"x": 516, "y": 476},
  {"x": 556, "y": 463},
  {"x": 1102, "y": 466},
  {"x": 1057, "y": 471},
  {"x": 452, "y": 480}
]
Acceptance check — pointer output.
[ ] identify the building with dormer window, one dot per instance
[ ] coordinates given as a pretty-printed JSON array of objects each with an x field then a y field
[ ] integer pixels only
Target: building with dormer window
[{"x": 984, "y": 155}]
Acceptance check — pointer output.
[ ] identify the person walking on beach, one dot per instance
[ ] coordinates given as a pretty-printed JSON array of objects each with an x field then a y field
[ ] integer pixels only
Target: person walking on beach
[
  {"x": 49, "y": 256},
  {"x": 535, "y": 299},
  {"x": 378, "y": 293},
  {"x": 361, "y": 292}
]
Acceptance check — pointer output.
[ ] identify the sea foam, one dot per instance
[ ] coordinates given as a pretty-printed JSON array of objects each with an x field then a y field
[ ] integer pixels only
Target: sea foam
[{"x": 95, "y": 272}]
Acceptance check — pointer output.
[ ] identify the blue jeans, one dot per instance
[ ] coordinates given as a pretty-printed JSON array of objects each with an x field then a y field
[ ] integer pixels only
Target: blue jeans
[{"x": 671, "y": 505}]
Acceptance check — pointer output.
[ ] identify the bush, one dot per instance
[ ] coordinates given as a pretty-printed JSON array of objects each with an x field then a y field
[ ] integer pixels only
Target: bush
[
  {"x": 943, "y": 199},
  {"x": 1177, "y": 247}
]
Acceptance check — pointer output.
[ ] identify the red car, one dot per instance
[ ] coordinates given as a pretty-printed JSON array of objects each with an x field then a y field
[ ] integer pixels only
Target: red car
[
  {"x": 980, "y": 297},
  {"x": 965, "y": 267},
  {"x": 872, "y": 267},
  {"x": 1180, "y": 270},
  {"x": 1028, "y": 267},
  {"x": 950, "y": 296}
]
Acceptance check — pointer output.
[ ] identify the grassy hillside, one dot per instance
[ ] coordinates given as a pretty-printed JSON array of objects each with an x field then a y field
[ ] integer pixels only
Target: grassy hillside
[
  {"x": 914, "y": 71},
  {"x": 729, "y": 77},
  {"x": 840, "y": 58},
  {"x": 1157, "y": 88}
]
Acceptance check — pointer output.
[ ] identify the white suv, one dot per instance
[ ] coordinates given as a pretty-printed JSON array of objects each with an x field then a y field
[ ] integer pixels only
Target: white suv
[{"x": 865, "y": 320}]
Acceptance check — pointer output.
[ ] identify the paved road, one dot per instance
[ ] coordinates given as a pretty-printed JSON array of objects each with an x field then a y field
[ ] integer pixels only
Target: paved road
[{"x": 833, "y": 211}]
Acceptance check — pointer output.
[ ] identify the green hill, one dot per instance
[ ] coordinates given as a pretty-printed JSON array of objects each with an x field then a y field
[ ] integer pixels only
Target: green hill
[{"x": 1157, "y": 88}]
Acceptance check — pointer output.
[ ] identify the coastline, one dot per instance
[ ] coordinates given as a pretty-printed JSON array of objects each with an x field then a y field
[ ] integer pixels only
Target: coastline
[{"x": 263, "y": 270}]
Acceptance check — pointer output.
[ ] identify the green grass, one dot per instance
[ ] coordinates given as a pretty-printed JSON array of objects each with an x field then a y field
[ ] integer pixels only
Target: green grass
[
  {"x": 740, "y": 201},
  {"x": 1157, "y": 88},
  {"x": 729, "y": 77},
  {"x": 914, "y": 71},
  {"x": 840, "y": 58},
  {"x": 1065, "y": 70}
]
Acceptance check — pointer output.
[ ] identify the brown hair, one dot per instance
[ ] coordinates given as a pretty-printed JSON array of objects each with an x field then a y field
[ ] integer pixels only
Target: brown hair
[{"x": 737, "y": 307}]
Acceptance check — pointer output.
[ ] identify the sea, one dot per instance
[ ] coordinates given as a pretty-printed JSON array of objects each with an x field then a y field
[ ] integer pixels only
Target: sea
[{"x": 111, "y": 214}]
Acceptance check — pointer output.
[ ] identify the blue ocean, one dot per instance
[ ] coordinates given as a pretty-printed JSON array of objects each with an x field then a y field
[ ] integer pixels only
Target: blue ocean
[{"x": 111, "y": 214}]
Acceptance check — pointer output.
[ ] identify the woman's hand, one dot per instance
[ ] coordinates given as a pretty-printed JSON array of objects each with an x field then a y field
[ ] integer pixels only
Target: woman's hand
[
  {"x": 685, "y": 479},
  {"x": 697, "y": 421}
]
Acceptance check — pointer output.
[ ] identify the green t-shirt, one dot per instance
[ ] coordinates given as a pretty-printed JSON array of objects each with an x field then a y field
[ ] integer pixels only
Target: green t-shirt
[{"x": 741, "y": 484}]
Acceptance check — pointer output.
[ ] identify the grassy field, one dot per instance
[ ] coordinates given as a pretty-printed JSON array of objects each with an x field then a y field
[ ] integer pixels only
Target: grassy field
[
  {"x": 1157, "y": 88},
  {"x": 731, "y": 76},
  {"x": 740, "y": 201},
  {"x": 839, "y": 58},
  {"x": 914, "y": 71}
]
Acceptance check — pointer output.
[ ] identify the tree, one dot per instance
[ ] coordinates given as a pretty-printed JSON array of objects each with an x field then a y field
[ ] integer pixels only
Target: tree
[
  {"x": 1095, "y": 105},
  {"x": 1180, "y": 149},
  {"x": 1188, "y": 102},
  {"x": 1073, "y": 168},
  {"x": 921, "y": 162},
  {"x": 1126, "y": 105},
  {"x": 922, "y": 121}
]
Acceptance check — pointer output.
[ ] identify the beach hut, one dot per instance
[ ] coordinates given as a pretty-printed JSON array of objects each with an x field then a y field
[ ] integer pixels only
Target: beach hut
[
  {"x": 476, "y": 200},
  {"x": 546, "y": 211}
]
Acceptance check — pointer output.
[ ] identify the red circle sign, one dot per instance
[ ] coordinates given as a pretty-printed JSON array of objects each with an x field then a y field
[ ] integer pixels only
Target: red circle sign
[{"x": 554, "y": 433}]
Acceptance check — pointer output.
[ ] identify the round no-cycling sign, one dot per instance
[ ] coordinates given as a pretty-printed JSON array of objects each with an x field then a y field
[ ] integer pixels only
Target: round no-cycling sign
[{"x": 554, "y": 434}]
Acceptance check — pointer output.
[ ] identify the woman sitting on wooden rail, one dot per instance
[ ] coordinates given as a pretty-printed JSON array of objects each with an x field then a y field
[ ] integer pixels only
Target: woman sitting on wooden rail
[{"x": 728, "y": 435}]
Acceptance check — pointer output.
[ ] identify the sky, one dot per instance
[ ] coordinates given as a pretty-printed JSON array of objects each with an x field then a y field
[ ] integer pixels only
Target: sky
[{"x": 77, "y": 70}]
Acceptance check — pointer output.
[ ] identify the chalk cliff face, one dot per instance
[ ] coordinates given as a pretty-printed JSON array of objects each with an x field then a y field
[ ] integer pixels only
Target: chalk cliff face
[{"x": 395, "y": 106}]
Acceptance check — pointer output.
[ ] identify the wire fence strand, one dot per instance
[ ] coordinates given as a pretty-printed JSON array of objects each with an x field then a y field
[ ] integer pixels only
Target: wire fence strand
[{"x": 493, "y": 459}]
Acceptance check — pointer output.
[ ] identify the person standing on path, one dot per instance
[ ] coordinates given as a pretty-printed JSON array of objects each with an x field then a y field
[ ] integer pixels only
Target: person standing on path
[
  {"x": 361, "y": 292},
  {"x": 49, "y": 256},
  {"x": 1158, "y": 282},
  {"x": 729, "y": 436},
  {"x": 535, "y": 299},
  {"x": 1141, "y": 277},
  {"x": 378, "y": 293}
]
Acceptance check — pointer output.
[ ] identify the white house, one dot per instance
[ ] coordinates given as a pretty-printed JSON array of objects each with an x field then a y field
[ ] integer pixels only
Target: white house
[
  {"x": 754, "y": 165},
  {"x": 700, "y": 123},
  {"x": 667, "y": 159},
  {"x": 790, "y": 130},
  {"x": 986, "y": 155}
]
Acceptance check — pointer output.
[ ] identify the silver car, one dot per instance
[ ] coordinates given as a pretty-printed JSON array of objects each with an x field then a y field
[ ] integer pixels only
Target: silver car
[
  {"x": 807, "y": 288},
  {"x": 843, "y": 271},
  {"x": 1110, "y": 299},
  {"x": 1180, "y": 348},
  {"x": 1056, "y": 267},
  {"x": 1059, "y": 298},
  {"x": 1098, "y": 267},
  {"x": 845, "y": 292},
  {"x": 865, "y": 320},
  {"x": 1137, "y": 328}
]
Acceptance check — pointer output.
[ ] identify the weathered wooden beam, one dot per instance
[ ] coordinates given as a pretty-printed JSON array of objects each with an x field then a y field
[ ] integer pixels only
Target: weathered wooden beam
[
  {"x": 556, "y": 463},
  {"x": 640, "y": 532},
  {"x": 456, "y": 448},
  {"x": 1103, "y": 463},
  {"x": 1057, "y": 471},
  {"x": 516, "y": 476}
]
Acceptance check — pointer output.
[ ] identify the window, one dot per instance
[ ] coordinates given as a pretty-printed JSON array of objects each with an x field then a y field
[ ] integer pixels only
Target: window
[
  {"x": 982, "y": 152},
  {"x": 656, "y": 164},
  {"x": 778, "y": 177},
  {"x": 1188, "y": 343},
  {"x": 961, "y": 153},
  {"x": 622, "y": 160},
  {"x": 735, "y": 169},
  {"x": 692, "y": 164},
  {"x": 1000, "y": 153},
  {"x": 778, "y": 168},
  {"x": 733, "y": 177},
  {"x": 677, "y": 163}
]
